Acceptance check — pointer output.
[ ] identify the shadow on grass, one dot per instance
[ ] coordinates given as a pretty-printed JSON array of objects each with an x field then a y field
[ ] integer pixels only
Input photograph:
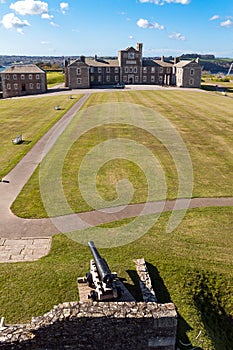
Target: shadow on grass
[
  {"x": 163, "y": 296},
  {"x": 217, "y": 323}
]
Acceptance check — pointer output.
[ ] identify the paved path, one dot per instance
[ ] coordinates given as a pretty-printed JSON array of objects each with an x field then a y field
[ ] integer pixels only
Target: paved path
[{"x": 29, "y": 239}]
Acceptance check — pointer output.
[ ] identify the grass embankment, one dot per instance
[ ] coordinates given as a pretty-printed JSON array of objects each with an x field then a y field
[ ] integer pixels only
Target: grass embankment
[
  {"x": 54, "y": 78},
  {"x": 205, "y": 123},
  {"x": 31, "y": 117},
  {"x": 191, "y": 267}
]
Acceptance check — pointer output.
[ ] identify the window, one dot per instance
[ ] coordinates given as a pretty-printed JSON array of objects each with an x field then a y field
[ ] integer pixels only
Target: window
[
  {"x": 152, "y": 69},
  {"x": 144, "y": 79},
  {"x": 38, "y": 86},
  {"x": 191, "y": 81},
  {"x": 22, "y": 76},
  {"x": 161, "y": 69},
  {"x": 126, "y": 69},
  {"x": 92, "y": 78},
  {"x": 135, "y": 70},
  {"x": 136, "y": 79},
  {"x": 99, "y": 70},
  {"x": 30, "y": 86},
  {"x": 116, "y": 69},
  {"x": 7, "y": 77},
  {"x": 168, "y": 69},
  {"x": 107, "y": 77},
  {"x": 144, "y": 69},
  {"x": 192, "y": 71},
  {"x": 99, "y": 78},
  {"x": 37, "y": 76},
  {"x": 78, "y": 71},
  {"x": 14, "y": 76},
  {"x": 8, "y": 86},
  {"x": 79, "y": 81},
  {"x": 125, "y": 78},
  {"x": 16, "y": 86},
  {"x": 108, "y": 70},
  {"x": 160, "y": 79},
  {"x": 92, "y": 69},
  {"x": 30, "y": 76},
  {"x": 131, "y": 70},
  {"x": 152, "y": 78},
  {"x": 116, "y": 78}
]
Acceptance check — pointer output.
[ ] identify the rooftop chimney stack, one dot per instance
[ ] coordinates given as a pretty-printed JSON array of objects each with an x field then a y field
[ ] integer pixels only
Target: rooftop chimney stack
[{"x": 139, "y": 47}]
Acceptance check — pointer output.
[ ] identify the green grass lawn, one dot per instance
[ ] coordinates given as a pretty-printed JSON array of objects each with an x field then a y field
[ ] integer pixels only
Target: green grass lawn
[
  {"x": 54, "y": 78},
  {"x": 191, "y": 267},
  {"x": 31, "y": 117},
  {"x": 204, "y": 121}
]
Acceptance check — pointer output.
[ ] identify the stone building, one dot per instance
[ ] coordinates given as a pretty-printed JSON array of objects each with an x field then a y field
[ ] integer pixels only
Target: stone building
[
  {"x": 188, "y": 74},
  {"x": 131, "y": 68},
  {"x": 19, "y": 80}
]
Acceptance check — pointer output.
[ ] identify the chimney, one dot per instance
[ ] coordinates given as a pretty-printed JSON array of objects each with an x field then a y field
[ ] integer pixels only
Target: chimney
[
  {"x": 139, "y": 47},
  {"x": 82, "y": 59},
  {"x": 197, "y": 60},
  {"x": 95, "y": 58},
  {"x": 176, "y": 60},
  {"x": 162, "y": 58}
]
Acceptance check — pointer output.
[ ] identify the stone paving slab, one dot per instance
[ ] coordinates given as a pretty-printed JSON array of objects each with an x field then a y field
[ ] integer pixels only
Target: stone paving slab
[{"x": 24, "y": 249}]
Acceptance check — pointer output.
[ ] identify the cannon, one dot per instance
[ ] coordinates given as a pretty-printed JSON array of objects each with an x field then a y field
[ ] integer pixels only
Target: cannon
[{"x": 101, "y": 279}]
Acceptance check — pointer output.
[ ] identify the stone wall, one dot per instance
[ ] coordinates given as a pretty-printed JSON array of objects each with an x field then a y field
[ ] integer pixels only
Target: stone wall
[{"x": 97, "y": 326}]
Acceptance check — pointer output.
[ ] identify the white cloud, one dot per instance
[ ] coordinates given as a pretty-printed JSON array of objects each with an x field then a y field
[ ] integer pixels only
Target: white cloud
[
  {"x": 144, "y": 23},
  {"x": 45, "y": 42},
  {"x": 213, "y": 18},
  {"x": 46, "y": 16},
  {"x": 2, "y": 1},
  {"x": 53, "y": 24},
  {"x": 10, "y": 21},
  {"x": 162, "y": 2},
  {"x": 131, "y": 37},
  {"x": 228, "y": 23},
  {"x": 29, "y": 7},
  {"x": 64, "y": 6},
  {"x": 177, "y": 36}
]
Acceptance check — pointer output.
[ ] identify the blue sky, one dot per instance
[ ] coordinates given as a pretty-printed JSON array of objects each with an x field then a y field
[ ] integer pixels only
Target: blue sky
[{"x": 102, "y": 27}]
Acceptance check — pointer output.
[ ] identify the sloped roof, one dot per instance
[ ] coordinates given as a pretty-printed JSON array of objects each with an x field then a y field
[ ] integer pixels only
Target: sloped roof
[
  {"x": 184, "y": 63},
  {"x": 163, "y": 63},
  {"x": 102, "y": 63},
  {"x": 23, "y": 69}
]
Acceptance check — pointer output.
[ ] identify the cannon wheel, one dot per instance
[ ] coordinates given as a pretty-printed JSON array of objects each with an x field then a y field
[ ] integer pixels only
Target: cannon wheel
[
  {"x": 93, "y": 295},
  {"x": 119, "y": 292}
]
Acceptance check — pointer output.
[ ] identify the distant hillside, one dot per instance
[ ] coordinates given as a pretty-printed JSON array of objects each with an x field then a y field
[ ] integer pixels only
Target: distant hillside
[{"x": 210, "y": 62}]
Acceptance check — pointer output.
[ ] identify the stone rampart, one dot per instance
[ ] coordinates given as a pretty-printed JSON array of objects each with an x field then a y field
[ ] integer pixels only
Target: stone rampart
[{"x": 97, "y": 326}]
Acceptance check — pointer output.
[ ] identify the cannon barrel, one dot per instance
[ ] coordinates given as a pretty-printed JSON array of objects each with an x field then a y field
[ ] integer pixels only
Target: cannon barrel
[{"x": 101, "y": 265}]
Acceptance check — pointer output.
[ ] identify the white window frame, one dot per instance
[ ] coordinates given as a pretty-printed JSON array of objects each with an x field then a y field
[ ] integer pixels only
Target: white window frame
[
  {"x": 168, "y": 70},
  {"x": 116, "y": 78},
  {"x": 8, "y": 86},
  {"x": 30, "y": 76},
  {"x": 191, "y": 71},
  {"x": 108, "y": 70},
  {"x": 99, "y": 69},
  {"x": 152, "y": 69},
  {"x": 22, "y": 77},
  {"x": 92, "y": 69},
  {"x": 191, "y": 81},
  {"x": 7, "y": 77},
  {"x": 116, "y": 70},
  {"x": 37, "y": 76},
  {"x": 152, "y": 78},
  {"x": 126, "y": 69},
  {"x": 135, "y": 70},
  {"x": 99, "y": 78},
  {"x": 31, "y": 86},
  {"x": 160, "y": 69},
  {"x": 38, "y": 86},
  {"x": 144, "y": 69},
  {"x": 14, "y": 76},
  {"x": 107, "y": 78},
  {"x": 79, "y": 81},
  {"x": 78, "y": 71},
  {"x": 144, "y": 78},
  {"x": 16, "y": 86}
]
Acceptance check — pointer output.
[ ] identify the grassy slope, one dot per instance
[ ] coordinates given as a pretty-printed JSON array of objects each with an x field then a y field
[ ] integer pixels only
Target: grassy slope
[
  {"x": 30, "y": 116},
  {"x": 199, "y": 118},
  {"x": 54, "y": 78}
]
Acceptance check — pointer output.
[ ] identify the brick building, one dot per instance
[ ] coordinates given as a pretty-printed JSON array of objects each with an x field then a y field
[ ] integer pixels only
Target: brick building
[
  {"x": 131, "y": 68},
  {"x": 22, "y": 80}
]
